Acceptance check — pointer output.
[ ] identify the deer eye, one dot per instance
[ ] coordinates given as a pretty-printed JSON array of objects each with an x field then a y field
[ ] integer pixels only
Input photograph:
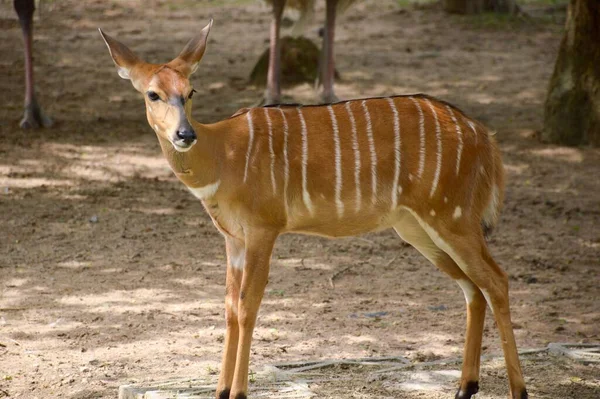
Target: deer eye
[
  {"x": 153, "y": 96},
  {"x": 191, "y": 94}
]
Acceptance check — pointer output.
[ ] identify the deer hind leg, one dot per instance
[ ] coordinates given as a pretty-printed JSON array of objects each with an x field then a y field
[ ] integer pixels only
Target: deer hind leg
[
  {"x": 468, "y": 249},
  {"x": 327, "y": 61},
  {"x": 235, "y": 263},
  {"x": 409, "y": 230}
]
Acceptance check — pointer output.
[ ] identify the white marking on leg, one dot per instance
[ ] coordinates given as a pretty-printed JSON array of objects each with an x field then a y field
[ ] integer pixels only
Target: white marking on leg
[
  {"x": 250, "y": 141},
  {"x": 305, "y": 193},
  {"x": 459, "y": 135},
  {"x": 237, "y": 260},
  {"x": 445, "y": 200},
  {"x": 271, "y": 152},
  {"x": 356, "y": 156},
  {"x": 230, "y": 305},
  {"x": 338, "y": 163},
  {"x": 432, "y": 212},
  {"x": 286, "y": 163},
  {"x": 488, "y": 299},
  {"x": 468, "y": 290},
  {"x": 373, "y": 152},
  {"x": 447, "y": 248},
  {"x": 490, "y": 213},
  {"x": 438, "y": 137},
  {"x": 457, "y": 213},
  {"x": 397, "y": 153},
  {"x": 205, "y": 192},
  {"x": 155, "y": 127},
  {"x": 421, "y": 137},
  {"x": 399, "y": 190}
]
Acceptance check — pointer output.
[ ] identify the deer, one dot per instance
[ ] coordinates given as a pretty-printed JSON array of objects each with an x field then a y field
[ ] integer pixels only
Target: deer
[
  {"x": 411, "y": 162},
  {"x": 33, "y": 116},
  {"x": 327, "y": 67}
]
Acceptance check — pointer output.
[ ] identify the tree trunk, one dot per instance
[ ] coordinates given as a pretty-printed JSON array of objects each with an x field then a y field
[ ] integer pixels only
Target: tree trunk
[
  {"x": 479, "y": 6},
  {"x": 572, "y": 110}
]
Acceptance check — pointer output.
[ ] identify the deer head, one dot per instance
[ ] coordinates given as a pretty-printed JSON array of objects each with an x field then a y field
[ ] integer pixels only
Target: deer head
[{"x": 166, "y": 87}]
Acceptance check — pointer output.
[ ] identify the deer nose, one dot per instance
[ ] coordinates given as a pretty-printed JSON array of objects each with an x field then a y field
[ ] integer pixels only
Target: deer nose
[{"x": 188, "y": 136}]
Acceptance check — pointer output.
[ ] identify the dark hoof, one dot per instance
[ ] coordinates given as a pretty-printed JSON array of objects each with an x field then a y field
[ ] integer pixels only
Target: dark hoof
[
  {"x": 34, "y": 118},
  {"x": 465, "y": 393},
  {"x": 224, "y": 394},
  {"x": 522, "y": 395}
]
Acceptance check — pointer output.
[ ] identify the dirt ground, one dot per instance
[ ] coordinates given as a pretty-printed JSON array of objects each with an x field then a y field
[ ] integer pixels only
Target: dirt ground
[{"x": 111, "y": 273}]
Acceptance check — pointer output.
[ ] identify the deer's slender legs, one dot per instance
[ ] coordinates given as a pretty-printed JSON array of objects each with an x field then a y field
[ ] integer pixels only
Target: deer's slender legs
[
  {"x": 410, "y": 231},
  {"x": 235, "y": 257},
  {"x": 259, "y": 245},
  {"x": 33, "y": 116},
  {"x": 468, "y": 249},
  {"x": 327, "y": 67},
  {"x": 273, "y": 91}
]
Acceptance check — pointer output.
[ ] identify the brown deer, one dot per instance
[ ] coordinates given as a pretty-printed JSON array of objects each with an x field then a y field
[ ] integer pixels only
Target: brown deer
[
  {"x": 412, "y": 163},
  {"x": 327, "y": 67}
]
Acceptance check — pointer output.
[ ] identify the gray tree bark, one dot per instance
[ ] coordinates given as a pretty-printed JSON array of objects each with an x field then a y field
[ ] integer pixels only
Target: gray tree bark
[{"x": 572, "y": 110}]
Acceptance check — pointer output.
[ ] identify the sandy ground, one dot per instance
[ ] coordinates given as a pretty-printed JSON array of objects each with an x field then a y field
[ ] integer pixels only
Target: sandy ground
[{"x": 111, "y": 273}]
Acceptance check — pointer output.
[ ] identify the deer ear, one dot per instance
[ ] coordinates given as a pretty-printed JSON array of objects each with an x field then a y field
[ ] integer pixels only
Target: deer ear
[
  {"x": 124, "y": 59},
  {"x": 187, "y": 61}
]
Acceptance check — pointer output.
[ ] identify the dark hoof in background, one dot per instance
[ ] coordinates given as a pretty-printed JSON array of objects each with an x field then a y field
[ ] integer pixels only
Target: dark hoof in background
[
  {"x": 224, "y": 394},
  {"x": 34, "y": 118},
  {"x": 471, "y": 389},
  {"x": 522, "y": 395}
]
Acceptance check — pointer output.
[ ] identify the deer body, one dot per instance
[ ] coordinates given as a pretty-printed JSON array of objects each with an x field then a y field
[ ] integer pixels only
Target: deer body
[{"x": 412, "y": 163}]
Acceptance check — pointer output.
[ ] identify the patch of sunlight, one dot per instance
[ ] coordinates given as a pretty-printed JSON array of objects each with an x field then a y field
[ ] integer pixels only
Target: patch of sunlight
[
  {"x": 435, "y": 380},
  {"x": 121, "y": 296},
  {"x": 193, "y": 282},
  {"x": 482, "y": 98},
  {"x": 359, "y": 339},
  {"x": 589, "y": 244},
  {"x": 156, "y": 211},
  {"x": 530, "y": 95},
  {"x": 112, "y": 270},
  {"x": 517, "y": 169},
  {"x": 32, "y": 182},
  {"x": 489, "y": 78},
  {"x": 280, "y": 315},
  {"x": 73, "y": 264},
  {"x": 566, "y": 154},
  {"x": 15, "y": 282}
]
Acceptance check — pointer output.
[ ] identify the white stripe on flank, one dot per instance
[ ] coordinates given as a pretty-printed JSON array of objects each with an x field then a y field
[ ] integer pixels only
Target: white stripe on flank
[
  {"x": 421, "y": 137},
  {"x": 271, "y": 152},
  {"x": 338, "y": 163},
  {"x": 396, "y": 153},
  {"x": 250, "y": 141},
  {"x": 286, "y": 164},
  {"x": 305, "y": 193},
  {"x": 460, "y": 139},
  {"x": 373, "y": 152},
  {"x": 472, "y": 125},
  {"x": 356, "y": 156},
  {"x": 438, "y": 137}
]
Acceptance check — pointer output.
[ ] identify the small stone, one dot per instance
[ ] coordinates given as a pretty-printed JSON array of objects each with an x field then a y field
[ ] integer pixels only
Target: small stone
[{"x": 94, "y": 219}]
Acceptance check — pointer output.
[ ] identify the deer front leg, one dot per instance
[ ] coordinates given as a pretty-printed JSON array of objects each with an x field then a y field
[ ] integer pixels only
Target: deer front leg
[
  {"x": 235, "y": 264},
  {"x": 273, "y": 92},
  {"x": 259, "y": 245}
]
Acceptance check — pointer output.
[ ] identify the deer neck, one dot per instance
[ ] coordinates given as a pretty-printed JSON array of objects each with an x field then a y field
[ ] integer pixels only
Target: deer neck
[{"x": 199, "y": 167}]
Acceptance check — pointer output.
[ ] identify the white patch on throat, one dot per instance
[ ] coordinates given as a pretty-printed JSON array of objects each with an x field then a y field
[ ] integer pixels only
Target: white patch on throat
[{"x": 205, "y": 192}]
